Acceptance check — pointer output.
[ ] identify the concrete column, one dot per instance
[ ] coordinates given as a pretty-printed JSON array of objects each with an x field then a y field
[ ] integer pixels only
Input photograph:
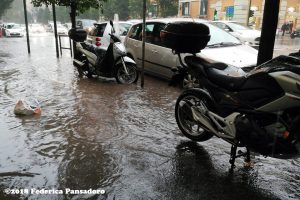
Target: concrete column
[{"x": 241, "y": 11}]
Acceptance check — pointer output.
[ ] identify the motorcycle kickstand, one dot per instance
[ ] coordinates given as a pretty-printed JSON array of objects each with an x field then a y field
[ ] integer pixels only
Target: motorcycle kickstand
[{"x": 233, "y": 156}]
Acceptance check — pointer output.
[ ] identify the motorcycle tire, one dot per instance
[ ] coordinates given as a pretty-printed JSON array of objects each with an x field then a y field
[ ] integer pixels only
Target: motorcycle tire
[
  {"x": 185, "y": 121},
  {"x": 123, "y": 78}
]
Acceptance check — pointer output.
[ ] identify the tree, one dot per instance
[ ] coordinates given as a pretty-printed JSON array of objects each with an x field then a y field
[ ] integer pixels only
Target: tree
[
  {"x": 43, "y": 15},
  {"x": 75, "y": 5},
  {"x": 15, "y": 14},
  {"x": 4, "y": 5},
  {"x": 167, "y": 7}
]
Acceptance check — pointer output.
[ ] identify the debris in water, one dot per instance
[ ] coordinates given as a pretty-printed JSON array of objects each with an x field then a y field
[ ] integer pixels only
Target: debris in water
[{"x": 22, "y": 108}]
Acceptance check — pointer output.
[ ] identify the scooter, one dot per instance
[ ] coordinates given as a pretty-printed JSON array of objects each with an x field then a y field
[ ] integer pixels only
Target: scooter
[
  {"x": 257, "y": 110},
  {"x": 110, "y": 62}
]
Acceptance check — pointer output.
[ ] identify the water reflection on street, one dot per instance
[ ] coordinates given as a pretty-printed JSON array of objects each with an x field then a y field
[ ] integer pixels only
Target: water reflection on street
[{"x": 95, "y": 133}]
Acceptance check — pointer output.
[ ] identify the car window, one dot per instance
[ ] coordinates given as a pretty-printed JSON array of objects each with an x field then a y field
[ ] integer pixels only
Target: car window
[
  {"x": 100, "y": 28},
  {"x": 16, "y": 26},
  {"x": 222, "y": 26},
  {"x": 220, "y": 36},
  {"x": 236, "y": 26},
  {"x": 124, "y": 28},
  {"x": 135, "y": 32},
  {"x": 10, "y": 26},
  {"x": 156, "y": 34}
]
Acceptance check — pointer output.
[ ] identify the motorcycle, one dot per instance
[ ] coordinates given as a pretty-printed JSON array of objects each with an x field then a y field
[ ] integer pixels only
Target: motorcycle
[
  {"x": 110, "y": 62},
  {"x": 257, "y": 110},
  {"x": 295, "y": 34}
]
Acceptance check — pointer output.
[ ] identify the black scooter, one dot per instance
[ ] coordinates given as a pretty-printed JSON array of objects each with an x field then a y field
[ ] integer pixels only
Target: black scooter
[{"x": 112, "y": 62}]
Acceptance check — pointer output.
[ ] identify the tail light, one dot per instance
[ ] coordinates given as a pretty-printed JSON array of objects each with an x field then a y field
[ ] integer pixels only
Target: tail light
[
  {"x": 98, "y": 43},
  {"x": 98, "y": 39}
]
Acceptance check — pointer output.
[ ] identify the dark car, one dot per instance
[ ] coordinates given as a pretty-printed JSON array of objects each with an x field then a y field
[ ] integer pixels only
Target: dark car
[{"x": 295, "y": 33}]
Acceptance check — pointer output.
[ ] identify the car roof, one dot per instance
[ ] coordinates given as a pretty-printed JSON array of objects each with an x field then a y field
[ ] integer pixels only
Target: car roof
[
  {"x": 225, "y": 21},
  {"x": 105, "y": 22},
  {"x": 178, "y": 19}
]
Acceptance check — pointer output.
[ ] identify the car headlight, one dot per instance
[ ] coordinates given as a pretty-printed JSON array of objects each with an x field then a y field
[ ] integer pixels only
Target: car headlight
[{"x": 246, "y": 43}]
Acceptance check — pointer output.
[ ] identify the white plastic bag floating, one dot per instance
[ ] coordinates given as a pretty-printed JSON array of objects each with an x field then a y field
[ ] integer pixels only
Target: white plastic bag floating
[{"x": 22, "y": 108}]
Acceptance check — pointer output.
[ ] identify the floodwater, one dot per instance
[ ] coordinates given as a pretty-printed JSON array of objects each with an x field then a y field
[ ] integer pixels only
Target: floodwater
[{"x": 97, "y": 134}]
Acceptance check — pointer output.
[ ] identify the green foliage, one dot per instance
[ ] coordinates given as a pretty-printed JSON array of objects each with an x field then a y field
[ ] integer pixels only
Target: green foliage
[
  {"x": 43, "y": 15},
  {"x": 167, "y": 7},
  {"x": 82, "y": 5},
  {"x": 4, "y": 5}
]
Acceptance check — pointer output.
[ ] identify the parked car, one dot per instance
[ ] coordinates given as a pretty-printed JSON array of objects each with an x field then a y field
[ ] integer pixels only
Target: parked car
[
  {"x": 36, "y": 28},
  {"x": 86, "y": 24},
  {"x": 245, "y": 34},
  {"x": 295, "y": 34},
  {"x": 61, "y": 30},
  {"x": 100, "y": 32},
  {"x": 222, "y": 47},
  {"x": 13, "y": 30}
]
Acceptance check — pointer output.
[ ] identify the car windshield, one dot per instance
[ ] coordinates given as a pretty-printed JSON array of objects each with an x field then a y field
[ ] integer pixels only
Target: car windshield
[
  {"x": 16, "y": 26},
  {"x": 60, "y": 26},
  {"x": 36, "y": 25},
  {"x": 125, "y": 26},
  {"x": 236, "y": 26},
  {"x": 219, "y": 36}
]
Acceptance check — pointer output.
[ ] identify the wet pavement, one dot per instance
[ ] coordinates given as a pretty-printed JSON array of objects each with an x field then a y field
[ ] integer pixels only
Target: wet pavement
[{"x": 95, "y": 133}]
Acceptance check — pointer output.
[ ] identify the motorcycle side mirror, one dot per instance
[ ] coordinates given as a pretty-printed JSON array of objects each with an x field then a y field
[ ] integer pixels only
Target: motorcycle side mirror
[{"x": 112, "y": 26}]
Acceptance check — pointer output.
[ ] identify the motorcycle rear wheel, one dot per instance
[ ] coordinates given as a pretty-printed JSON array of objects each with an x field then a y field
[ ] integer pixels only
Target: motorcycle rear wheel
[
  {"x": 123, "y": 78},
  {"x": 186, "y": 124}
]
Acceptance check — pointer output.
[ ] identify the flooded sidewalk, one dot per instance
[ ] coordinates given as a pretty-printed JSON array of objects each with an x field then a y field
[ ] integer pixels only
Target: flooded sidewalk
[{"x": 100, "y": 135}]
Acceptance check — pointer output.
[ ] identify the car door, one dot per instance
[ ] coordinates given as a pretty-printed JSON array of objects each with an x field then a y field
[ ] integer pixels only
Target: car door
[
  {"x": 134, "y": 45},
  {"x": 160, "y": 59}
]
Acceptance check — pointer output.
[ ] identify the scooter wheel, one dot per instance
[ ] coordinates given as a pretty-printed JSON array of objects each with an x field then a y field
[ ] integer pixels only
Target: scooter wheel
[{"x": 123, "y": 77}]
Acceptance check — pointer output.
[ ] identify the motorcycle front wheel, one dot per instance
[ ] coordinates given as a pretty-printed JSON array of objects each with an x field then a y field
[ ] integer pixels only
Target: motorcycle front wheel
[
  {"x": 123, "y": 77},
  {"x": 184, "y": 115}
]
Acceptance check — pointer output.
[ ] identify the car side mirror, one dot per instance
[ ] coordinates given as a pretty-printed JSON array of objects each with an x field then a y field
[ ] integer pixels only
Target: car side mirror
[{"x": 227, "y": 29}]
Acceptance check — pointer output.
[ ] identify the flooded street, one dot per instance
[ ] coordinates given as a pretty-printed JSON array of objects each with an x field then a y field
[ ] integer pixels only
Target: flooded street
[{"x": 97, "y": 134}]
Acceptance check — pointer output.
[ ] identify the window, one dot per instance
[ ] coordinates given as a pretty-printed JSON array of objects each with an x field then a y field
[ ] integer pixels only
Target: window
[
  {"x": 152, "y": 32},
  {"x": 135, "y": 32},
  {"x": 186, "y": 8},
  {"x": 203, "y": 7},
  {"x": 100, "y": 29}
]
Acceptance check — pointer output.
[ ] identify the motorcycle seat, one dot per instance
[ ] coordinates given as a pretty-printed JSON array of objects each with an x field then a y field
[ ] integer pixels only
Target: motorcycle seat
[
  {"x": 225, "y": 80},
  {"x": 219, "y": 73},
  {"x": 198, "y": 62}
]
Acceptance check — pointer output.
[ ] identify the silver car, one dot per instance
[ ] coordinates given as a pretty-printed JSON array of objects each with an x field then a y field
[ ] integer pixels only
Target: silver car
[
  {"x": 245, "y": 34},
  {"x": 222, "y": 47},
  {"x": 99, "y": 33}
]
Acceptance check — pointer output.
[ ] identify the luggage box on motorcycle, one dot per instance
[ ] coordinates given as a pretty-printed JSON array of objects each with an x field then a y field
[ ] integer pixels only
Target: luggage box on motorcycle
[
  {"x": 78, "y": 35},
  {"x": 185, "y": 37}
]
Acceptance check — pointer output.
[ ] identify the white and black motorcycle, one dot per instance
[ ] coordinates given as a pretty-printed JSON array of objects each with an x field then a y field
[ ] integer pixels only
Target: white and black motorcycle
[
  {"x": 110, "y": 62},
  {"x": 259, "y": 110}
]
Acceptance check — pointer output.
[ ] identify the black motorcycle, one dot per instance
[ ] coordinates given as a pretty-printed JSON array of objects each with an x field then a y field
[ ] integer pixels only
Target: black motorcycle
[
  {"x": 110, "y": 62},
  {"x": 259, "y": 110},
  {"x": 295, "y": 34}
]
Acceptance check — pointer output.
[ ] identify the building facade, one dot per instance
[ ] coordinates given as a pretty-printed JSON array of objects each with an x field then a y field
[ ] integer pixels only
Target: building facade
[{"x": 247, "y": 12}]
